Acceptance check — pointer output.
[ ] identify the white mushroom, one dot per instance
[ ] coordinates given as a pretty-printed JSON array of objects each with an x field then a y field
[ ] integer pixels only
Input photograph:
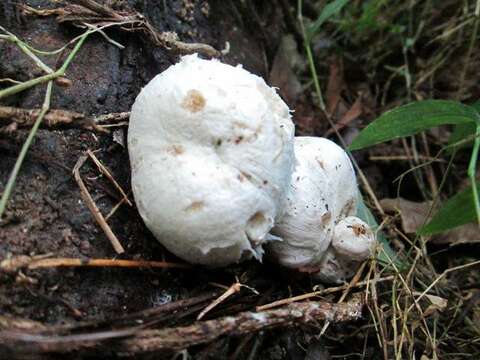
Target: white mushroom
[
  {"x": 353, "y": 241},
  {"x": 318, "y": 228},
  {"x": 353, "y": 238},
  {"x": 211, "y": 150}
]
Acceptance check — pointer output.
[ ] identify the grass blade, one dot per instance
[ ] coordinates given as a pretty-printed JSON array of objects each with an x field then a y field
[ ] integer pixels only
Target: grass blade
[
  {"x": 456, "y": 211},
  {"x": 328, "y": 11},
  {"x": 413, "y": 118},
  {"x": 383, "y": 257}
]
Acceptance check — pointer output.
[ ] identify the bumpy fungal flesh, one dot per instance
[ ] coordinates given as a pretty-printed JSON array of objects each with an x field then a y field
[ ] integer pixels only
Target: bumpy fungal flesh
[
  {"x": 318, "y": 232},
  {"x": 353, "y": 241},
  {"x": 211, "y": 150}
]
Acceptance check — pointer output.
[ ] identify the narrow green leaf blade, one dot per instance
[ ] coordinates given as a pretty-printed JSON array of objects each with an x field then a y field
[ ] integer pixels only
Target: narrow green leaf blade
[
  {"x": 456, "y": 211},
  {"x": 413, "y": 118},
  {"x": 463, "y": 131},
  {"x": 388, "y": 255},
  {"x": 328, "y": 11}
]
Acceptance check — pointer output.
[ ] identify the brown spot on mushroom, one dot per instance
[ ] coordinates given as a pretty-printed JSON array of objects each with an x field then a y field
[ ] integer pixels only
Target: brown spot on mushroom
[
  {"x": 358, "y": 229},
  {"x": 257, "y": 219},
  {"x": 195, "y": 206},
  {"x": 238, "y": 139},
  {"x": 326, "y": 217},
  {"x": 245, "y": 175},
  {"x": 194, "y": 101},
  {"x": 176, "y": 149},
  {"x": 322, "y": 165},
  {"x": 348, "y": 208}
]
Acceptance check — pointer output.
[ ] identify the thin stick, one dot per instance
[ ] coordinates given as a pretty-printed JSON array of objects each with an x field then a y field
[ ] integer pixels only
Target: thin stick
[
  {"x": 59, "y": 117},
  {"x": 351, "y": 284},
  {"x": 109, "y": 176},
  {"x": 308, "y": 50},
  {"x": 112, "y": 117},
  {"x": 53, "y": 118},
  {"x": 28, "y": 84},
  {"x": 235, "y": 288},
  {"x": 403, "y": 158},
  {"x": 318, "y": 293},
  {"x": 42, "y": 79},
  {"x": 114, "y": 209},
  {"x": 67, "y": 262},
  {"x": 23, "y": 152},
  {"x": 14, "y": 39},
  {"x": 441, "y": 276},
  {"x": 136, "y": 341},
  {"x": 19, "y": 262},
  {"x": 87, "y": 198}
]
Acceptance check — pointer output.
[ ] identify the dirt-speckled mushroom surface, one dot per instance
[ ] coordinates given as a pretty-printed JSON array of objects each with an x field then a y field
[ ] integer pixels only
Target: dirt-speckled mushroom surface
[{"x": 211, "y": 149}]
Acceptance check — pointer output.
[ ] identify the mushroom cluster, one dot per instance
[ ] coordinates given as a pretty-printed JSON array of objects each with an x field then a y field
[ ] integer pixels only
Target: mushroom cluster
[{"x": 218, "y": 176}]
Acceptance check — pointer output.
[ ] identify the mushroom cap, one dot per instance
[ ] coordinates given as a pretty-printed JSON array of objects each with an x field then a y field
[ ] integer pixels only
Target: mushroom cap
[
  {"x": 353, "y": 239},
  {"x": 211, "y": 150},
  {"x": 339, "y": 169},
  {"x": 322, "y": 192}
]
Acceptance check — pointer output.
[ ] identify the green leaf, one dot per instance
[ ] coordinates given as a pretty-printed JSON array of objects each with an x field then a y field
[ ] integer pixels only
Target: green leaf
[
  {"x": 388, "y": 255},
  {"x": 456, "y": 211},
  {"x": 462, "y": 132},
  {"x": 413, "y": 118},
  {"x": 328, "y": 11}
]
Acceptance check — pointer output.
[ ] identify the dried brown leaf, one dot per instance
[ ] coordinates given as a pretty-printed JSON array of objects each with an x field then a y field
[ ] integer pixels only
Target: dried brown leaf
[
  {"x": 335, "y": 85},
  {"x": 413, "y": 214}
]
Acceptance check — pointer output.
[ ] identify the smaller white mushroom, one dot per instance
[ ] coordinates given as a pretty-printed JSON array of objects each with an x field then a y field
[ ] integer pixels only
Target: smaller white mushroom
[
  {"x": 353, "y": 242},
  {"x": 319, "y": 233},
  {"x": 353, "y": 238}
]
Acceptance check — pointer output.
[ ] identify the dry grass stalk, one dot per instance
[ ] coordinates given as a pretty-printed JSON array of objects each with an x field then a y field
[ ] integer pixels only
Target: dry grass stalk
[
  {"x": 36, "y": 262},
  {"x": 323, "y": 292},
  {"x": 233, "y": 289},
  {"x": 109, "y": 176},
  {"x": 87, "y": 198}
]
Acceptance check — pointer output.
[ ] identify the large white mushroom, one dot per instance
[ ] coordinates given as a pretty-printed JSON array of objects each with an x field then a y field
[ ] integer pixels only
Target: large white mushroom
[
  {"x": 211, "y": 151},
  {"x": 319, "y": 233}
]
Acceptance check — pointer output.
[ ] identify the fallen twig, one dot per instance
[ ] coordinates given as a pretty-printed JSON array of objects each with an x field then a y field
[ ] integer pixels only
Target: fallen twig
[
  {"x": 135, "y": 340},
  {"x": 92, "y": 12},
  {"x": 56, "y": 118},
  {"x": 87, "y": 198},
  {"x": 22, "y": 261},
  {"x": 52, "y": 119},
  {"x": 233, "y": 289},
  {"x": 318, "y": 293}
]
